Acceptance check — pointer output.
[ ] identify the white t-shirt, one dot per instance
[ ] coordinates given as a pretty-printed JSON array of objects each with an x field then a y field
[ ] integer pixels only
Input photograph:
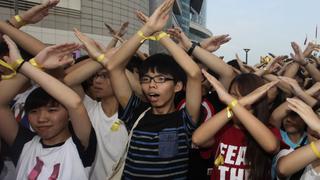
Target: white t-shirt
[
  {"x": 61, "y": 162},
  {"x": 310, "y": 174},
  {"x": 112, "y": 137}
]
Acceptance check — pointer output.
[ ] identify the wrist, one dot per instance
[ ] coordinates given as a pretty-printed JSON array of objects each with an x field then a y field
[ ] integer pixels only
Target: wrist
[
  {"x": 193, "y": 46},
  {"x": 146, "y": 30},
  {"x": 13, "y": 23},
  {"x": 18, "y": 21}
]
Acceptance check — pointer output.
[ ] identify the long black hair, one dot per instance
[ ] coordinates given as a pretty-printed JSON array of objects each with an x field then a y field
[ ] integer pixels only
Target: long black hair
[{"x": 258, "y": 160}]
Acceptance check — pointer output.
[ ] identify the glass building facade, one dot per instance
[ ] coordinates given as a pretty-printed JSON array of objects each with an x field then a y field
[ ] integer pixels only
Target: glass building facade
[{"x": 86, "y": 15}]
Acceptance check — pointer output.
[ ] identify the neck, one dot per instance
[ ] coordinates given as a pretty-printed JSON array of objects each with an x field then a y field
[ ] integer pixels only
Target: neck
[
  {"x": 109, "y": 105},
  {"x": 164, "y": 110},
  {"x": 295, "y": 137},
  {"x": 59, "y": 138}
]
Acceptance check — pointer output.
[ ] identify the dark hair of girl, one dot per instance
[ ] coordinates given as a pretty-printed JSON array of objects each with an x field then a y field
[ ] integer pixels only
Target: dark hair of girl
[
  {"x": 258, "y": 160},
  {"x": 37, "y": 98}
]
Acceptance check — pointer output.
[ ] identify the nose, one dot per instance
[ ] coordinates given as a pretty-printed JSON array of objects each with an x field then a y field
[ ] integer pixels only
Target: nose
[
  {"x": 43, "y": 116},
  {"x": 152, "y": 83}
]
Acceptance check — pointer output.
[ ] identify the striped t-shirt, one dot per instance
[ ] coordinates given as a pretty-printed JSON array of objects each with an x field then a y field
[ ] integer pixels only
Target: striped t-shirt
[{"x": 159, "y": 147}]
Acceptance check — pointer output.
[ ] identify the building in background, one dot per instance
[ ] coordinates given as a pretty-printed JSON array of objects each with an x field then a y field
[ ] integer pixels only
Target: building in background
[
  {"x": 89, "y": 16},
  {"x": 86, "y": 15},
  {"x": 190, "y": 15}
]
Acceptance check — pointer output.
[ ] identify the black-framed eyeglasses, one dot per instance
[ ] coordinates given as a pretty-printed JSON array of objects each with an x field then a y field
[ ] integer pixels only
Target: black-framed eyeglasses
[
  {"x": 102, "y": 75},
  {"x": 156, "y": 79}
]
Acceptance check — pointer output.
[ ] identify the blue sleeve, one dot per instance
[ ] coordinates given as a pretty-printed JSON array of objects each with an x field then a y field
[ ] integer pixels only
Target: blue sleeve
[{"x": 133, "y": 109}]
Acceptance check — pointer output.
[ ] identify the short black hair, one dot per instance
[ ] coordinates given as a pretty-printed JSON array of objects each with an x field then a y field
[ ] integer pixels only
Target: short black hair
[
  {"x": 164, "y": 64},
  {"x": 4, "y": 50},
  {"x": 37, "y": 98},
  {"x": 135, "y": 62}
]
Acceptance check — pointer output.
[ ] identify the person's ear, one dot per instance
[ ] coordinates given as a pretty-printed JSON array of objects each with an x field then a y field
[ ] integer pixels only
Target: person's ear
[{"x": 178, "y": 86}]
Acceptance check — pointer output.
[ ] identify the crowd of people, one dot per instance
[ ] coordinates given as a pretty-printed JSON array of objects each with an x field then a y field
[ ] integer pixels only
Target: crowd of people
[{"x": 117, "y": 113}]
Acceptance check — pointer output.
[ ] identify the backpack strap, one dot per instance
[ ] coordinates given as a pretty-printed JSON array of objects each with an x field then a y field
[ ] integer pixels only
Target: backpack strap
[{"x": 119, "y": 166}]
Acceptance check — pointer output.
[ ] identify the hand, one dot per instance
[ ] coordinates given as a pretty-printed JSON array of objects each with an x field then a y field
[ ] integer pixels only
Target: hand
[
  {"x": 222, "y": 93},
  {"x": 159, "y": 18},
  {"x": 14, "y": 53},
  {"x": 120, "y": 32},
  {"x": 213, "y": 43},
  {"x": 293, "y": 84},
  {"x": 38, "y": 12},
  {"x": 284, "y": 68},
  {"x": 183, "y": 41},
  {"x": 92, "y": 47},
  {"x": 310, "y": 48},
  {"x": 257, "y": 93},
  {"x": 119, "y": 38},
  {"x": 298, "y": 55},
  {"x": 305, "y": 112},
  {"x": 55, "y": 56},
  {"x": 273, "y": 65}
]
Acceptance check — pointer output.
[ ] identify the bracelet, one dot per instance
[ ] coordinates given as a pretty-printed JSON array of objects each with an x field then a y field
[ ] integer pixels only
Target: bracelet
[
  {"x": 194, "y": 44},
  {"x": 233, "y": 103},
  {"x": 141, "y": 34},
  {"x": 9, "y": 76},
  {"x": 100, "y": 58},
  {"x": 15, "y": 65},
  {"x": 20, "y": 66},
  {"x": 34, "y": 63},
  {"x": 19, "y": 20},
  {"x": 162, "y": 35},
  {"x": 314, "y": 149},
  {"x": 229, "y": 108},
  {"x": 8, "y": 22}
]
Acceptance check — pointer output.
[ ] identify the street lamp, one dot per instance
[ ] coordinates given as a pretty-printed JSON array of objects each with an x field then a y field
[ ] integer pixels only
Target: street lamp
[{"x": 246, "y": 50}]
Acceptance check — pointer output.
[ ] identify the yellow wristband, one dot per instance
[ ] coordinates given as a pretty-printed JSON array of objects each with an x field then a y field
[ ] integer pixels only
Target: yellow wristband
[
  {"x": 232, "y": 104},
  {"x": 140, "y": 33},
  {"x": 229, "y": 113},
  {"x": 8, "y": 76},
  {"x": 314, "y": 149},
  {"x": 17, "y": 64},
  {"x": 229, "y": 108},
  {"x": 162, "y": 35},
  {"x": 19, "y": 20},
  {"x": 34, "y": 63},
  {"x": 100, "y": 58}
]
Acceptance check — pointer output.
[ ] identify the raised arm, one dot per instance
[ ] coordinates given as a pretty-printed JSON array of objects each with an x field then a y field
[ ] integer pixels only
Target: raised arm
[
  {"x": 193, "y": 86},
  {"x": 255, "y": 127},
  {"x": 212, "y": 61},
  {"x": 115, "y": 34},
  {"x": 118, "y": 62},
  {"x": 68, "y": 98},
  {"x": 302, "y": 156},
  {"x": 299, "y": 92},
  {"x": 34, "y": 14}
]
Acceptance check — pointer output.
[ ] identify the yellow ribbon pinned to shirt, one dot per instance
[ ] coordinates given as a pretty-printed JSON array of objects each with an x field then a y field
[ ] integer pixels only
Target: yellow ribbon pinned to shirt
[{"x": 116, "y": 125}]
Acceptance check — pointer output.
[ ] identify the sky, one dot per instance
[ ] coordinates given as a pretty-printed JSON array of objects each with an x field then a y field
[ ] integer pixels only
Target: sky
[{"x": 263, "y": 26}]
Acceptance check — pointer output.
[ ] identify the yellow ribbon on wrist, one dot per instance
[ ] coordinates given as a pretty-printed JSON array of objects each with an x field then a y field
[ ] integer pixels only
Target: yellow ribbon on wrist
[
  {"x": 34, "y": 63},
  {"x": 141, "y": 34},
  {"x": 19, "y": 20},
  {"x": 16, "y": 64},
  {"x": 100, "y": 58},
  {"x": 162, "y": 35},
  {"x": 229, "y": 108},
  {"x": 314, "y": 149},
  {"x": 6, "y": 65}
]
